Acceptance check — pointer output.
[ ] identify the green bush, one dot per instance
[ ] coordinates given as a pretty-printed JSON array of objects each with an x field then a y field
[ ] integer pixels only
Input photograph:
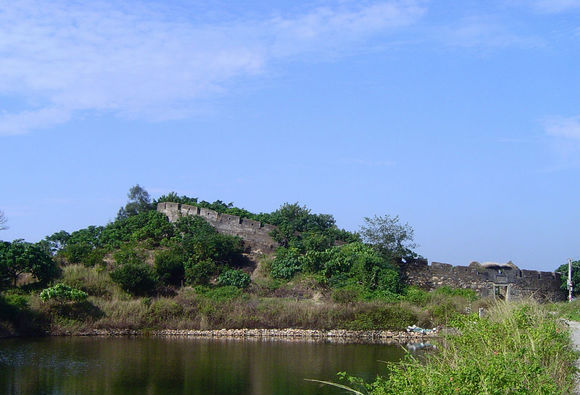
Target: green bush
[
  {"x": 76, "y": 253},
  {"x": 95, "y": 258},
  {"x": 129, "y": 254},
  {"x": 220, "y": 294},
  {"x": 466, "y": 293},
  {"x": 199, "y": 273},
  {"x": 11, "y": 304},
  {"x": 137, "y": 279},
  {"x": 169, "y": 266},
  {"x": 416, "y": 296},
  {"x": 164, "y": 310},
  {"x": 236, "y": 278},
  {"x": 63, "y": 293},
  {"x": 286, "y": 264},
  {"x": 517, "y": 349}
]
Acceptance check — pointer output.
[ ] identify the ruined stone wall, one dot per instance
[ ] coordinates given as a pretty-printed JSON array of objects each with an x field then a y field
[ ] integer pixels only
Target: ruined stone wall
[
  {"x": 255, "y": 235},
  {"x": 543, "y": 286},
  {"x": 486, "y": 282}
]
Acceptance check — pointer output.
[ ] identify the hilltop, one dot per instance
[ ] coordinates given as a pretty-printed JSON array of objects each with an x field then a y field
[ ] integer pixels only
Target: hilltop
[{"x": 180, "y": 263}]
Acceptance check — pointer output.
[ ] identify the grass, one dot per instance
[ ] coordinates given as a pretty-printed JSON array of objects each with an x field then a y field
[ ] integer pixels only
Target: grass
[
  {"x": 230, "y": 308},
  {"x": 519, "y": 349},
  {"x": 299, "y": 303},
  {"x": 568, "y": 310}
]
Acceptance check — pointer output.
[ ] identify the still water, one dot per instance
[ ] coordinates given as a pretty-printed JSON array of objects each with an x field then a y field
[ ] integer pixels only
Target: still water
[{"x": 142, "y": 365}]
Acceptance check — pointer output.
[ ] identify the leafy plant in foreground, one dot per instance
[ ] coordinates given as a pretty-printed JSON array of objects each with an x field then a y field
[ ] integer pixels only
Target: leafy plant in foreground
[{"x": 63, "y": 293}]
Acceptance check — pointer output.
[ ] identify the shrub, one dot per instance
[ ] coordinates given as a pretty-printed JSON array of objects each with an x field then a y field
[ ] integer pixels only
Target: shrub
[
  {"x": 199, "y": 273},
  {"x": 518, "y": 349},
  {"x": 137, "y": 279},
  {"x": 416, "y": 296},
  {"x": 62, "y": 294},
  {"x": 221, "y": 294},
  {"x": 95, "y": 258},
  {"x": 129, "y": 254},
  {"x": 286, "y": 264},
  {"x": 169, "y": 267},
  {"x": 11, "y": 304},
  {"x": 466, "y": 293},
  {"x": 163, "y": 311},
  {"x": 76, "y": 253},
  {"x": 236, "y": 278}
]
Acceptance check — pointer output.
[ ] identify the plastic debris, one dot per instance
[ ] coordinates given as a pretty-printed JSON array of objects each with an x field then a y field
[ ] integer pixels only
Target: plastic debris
[{"x": 417, "y": 329}]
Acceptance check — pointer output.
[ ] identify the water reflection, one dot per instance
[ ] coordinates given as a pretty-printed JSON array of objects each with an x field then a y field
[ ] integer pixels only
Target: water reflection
[{"x": 182, "y": 365}]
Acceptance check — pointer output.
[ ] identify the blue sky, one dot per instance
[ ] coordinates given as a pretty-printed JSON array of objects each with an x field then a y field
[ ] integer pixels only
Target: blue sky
[{"x": 463, "y": 118}]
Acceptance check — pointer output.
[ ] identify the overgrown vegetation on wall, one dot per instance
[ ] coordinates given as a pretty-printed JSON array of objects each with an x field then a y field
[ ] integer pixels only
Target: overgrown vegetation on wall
[{"x": 186, "y": 274}]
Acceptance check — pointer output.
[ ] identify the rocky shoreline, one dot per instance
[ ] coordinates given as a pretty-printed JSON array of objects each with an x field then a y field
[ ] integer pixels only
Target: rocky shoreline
[{"x": 289, "y": 334}]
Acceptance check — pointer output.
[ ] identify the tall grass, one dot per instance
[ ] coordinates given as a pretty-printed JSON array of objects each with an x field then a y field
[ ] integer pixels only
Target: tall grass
[{"x": 519, "y": 349}]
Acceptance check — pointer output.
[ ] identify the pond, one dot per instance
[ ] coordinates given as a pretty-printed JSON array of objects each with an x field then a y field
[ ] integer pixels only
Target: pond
[{"x": 142, "y": 365}]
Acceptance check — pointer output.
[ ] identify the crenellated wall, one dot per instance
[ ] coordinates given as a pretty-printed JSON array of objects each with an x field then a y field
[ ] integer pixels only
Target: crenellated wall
[
  {"x": 255, "y": 235},
  {"x": 502, "y": 281},
  {"x": 505, "y": 282}
]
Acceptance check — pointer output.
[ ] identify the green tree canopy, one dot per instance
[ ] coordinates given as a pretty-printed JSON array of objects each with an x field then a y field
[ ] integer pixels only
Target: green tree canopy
[
  {"x": 139, "y": 202},
  {"x": 20, "y": 257},
  {"x": 563, "y": 270},
  {"x": 388, "y": 236}
]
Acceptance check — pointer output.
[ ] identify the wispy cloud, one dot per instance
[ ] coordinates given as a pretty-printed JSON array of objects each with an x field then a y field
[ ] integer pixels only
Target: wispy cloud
[
  {"x": 485, "y": 32},
  {"x": 568, "y": 128},
  {"x": 564, "y": 142},
  {"x": 132, "y": 60},
  {"x": 555, "y": 6}
]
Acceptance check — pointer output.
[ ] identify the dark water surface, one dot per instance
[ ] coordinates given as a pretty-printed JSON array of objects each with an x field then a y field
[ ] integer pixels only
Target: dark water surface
[{"x": 141, "y": 365}]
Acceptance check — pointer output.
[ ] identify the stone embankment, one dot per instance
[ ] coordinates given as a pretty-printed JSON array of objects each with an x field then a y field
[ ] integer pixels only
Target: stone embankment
[{"x": 336, "y": 335}]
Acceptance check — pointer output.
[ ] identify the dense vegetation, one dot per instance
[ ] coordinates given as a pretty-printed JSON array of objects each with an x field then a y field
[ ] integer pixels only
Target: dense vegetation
[
  {"x": 142, "y": 257},
  {"x": 519, "y": 348},
  {"x": 563, "y": 270},
  {"x": 141, "y": 271}
]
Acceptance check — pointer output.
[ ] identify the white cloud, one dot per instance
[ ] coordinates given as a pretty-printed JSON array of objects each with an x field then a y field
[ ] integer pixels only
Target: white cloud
[
  {"x": 482, "y": 32},
  {"x": 568, "y": 128},
  {"x": 24, "y": 121},
  {"x": 64, "y": 57},
  {"x": 555, "y": 6}
]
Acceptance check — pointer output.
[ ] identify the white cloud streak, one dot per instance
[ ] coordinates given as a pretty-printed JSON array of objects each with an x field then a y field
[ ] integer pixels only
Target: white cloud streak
[
  {"x": 481, "y": 32},
  {"x": 63, "y": 57},
  {"x": 568, "y": 128},
  {"x": 555, "y": 6}
]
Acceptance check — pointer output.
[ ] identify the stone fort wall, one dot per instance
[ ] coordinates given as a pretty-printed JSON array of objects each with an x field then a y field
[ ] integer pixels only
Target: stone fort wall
[
  {"x": 256, "y": 235},
  {"x": 504, "y": 282},
  {"x": 501, "y": 281}
]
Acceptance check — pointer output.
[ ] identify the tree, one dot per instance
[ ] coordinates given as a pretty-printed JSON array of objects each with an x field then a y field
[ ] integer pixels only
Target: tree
[
  {"x": 563, "y": 270},
  {"x": 3, "y": 221},
  {"x": 388, "y": 236},
  {"x": 293, "y": 219},
  {"x": 135, "y": 278},
  {"x": 57, "y": 241},
  {"x": 20, "y": 257},
  {"x": 139, "y": 202}
]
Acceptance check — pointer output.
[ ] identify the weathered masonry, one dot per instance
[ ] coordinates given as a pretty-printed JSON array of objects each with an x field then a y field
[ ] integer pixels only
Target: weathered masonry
[
  {"x": 501, "y": 281},
  {"x": 488, "y": 280},
  {"x": 256, "y": 236}
]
